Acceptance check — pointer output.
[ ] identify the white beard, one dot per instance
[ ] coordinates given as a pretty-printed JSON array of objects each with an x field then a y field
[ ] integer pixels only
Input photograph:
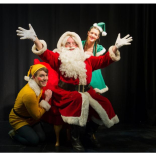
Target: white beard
[{"x": 73, "y": 65}]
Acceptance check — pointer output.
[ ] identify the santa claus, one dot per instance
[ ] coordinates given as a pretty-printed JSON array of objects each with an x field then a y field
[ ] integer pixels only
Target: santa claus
[{"x": 78, "y": 103}]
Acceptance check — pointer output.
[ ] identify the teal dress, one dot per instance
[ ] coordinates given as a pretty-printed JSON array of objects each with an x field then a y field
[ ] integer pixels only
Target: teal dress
[{"x": 97, "y": 81}]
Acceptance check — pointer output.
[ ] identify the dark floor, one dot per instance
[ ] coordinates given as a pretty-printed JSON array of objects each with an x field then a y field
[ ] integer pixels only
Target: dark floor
[{"x": 118, "y": 139}]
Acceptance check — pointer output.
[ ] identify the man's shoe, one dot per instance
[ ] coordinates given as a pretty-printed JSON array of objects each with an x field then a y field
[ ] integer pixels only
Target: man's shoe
[
  {"x": 94, "y": 141},
  {"x": 77, "y": 146},
  {"x": 12, "y": 133},
  {"x": 91, "y": 141},
  {"x": 91, "y": 128}
]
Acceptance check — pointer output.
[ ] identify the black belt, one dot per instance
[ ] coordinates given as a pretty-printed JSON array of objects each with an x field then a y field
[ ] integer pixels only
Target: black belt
[
  {"x": 25, "y": 117},
  {"x": 71, "y": 87}
]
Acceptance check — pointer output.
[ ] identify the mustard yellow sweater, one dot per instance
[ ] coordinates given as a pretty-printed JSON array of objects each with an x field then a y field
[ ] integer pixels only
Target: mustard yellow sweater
[{"x": 28, "y": 104}]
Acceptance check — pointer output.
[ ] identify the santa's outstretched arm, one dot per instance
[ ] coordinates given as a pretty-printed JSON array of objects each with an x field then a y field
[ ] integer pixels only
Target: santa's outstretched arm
[
  {"x": 112, "y": 55},
  {"x": 40, "y": 47}
]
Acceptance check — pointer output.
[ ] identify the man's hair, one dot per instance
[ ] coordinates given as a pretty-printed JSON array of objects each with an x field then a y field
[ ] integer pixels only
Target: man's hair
[
  {"x": 41, "y": 69},
  {"x": 66, "y": 38}
]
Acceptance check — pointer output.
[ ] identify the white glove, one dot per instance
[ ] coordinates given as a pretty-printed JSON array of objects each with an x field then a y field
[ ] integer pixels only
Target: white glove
[
  {"x": 26, "y": 34},
  {"x": 123, "y": 41}
]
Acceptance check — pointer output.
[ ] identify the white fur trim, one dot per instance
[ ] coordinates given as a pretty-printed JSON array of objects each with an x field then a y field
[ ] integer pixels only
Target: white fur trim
[
  {"x": 72, "y": 34},
  {"x": 26, "y": 78},
  {"x": 101, "y": 52},
  {"x": 39, "y": 52},
  {"x": 95, "y": 25},
  {"x": 115, "y": 119},
  {"x": 44, "y": 104},
  {"x": 116, "y": 56},
  {"x": 101, "y": 30},
  {"x": 101, "y": 112},
  {"x": 104, "y": 33},
  {"x": 81, "y": 121},
  {"x": 101, "y": 90},
  {"x": 87, "y": 56},
  {"x": 56, "y": 51},
  {"x": 34, "y": 86}
]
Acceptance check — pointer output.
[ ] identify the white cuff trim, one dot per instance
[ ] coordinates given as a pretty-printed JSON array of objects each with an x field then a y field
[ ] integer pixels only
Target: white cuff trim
[
  {"x": 41, "y": 51},
  {"x": 101, "y": 90},
  {"x": 116, "y": 56},
  {"x": 101, "y": 52},
  {"x": 44, "y": 104}
]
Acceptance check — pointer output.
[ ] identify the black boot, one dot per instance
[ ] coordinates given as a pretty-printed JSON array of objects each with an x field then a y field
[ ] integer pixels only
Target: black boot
[
  {"x": 91, "y": 128},
  {"x": 75, "y": 138}
]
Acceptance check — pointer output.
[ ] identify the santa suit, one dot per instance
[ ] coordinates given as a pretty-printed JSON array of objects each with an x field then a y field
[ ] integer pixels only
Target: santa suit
[{"x": 76, "y": 107}]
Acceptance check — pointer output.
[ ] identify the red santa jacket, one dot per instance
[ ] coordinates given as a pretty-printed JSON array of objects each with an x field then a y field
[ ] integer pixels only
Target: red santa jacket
[{"x": 92, "y": 63}]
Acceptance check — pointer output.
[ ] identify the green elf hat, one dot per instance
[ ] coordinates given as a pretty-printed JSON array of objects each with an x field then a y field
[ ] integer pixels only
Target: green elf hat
[{"x": 101, "y": 27}]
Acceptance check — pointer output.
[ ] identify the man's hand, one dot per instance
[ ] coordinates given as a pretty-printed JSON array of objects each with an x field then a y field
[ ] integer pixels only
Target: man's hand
[
  {"x": 48, "y": 95},
  {"x": 26, "y": 34},
  {"x": 123, "y": 41}
]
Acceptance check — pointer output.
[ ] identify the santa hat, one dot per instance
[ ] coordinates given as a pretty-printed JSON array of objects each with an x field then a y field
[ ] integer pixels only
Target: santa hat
[
  {"x": 75, "y": 36},
  {"x": 33, "y": 69},
  {"x": 101, "y": 27}
]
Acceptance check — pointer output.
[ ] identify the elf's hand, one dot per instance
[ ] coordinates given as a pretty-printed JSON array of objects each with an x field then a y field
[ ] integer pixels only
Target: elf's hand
[{"x": 48, "y": 95}]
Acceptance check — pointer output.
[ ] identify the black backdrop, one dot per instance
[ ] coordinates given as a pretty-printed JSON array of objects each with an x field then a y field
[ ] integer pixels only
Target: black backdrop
[{"x": 131, "y": 81}]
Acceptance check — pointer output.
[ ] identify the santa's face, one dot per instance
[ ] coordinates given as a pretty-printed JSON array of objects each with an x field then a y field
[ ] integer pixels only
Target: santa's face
[
  {"x": 71, "y": 44},
  {"x": 41, "y": 78},
  {"x": 93, "y": 35}
]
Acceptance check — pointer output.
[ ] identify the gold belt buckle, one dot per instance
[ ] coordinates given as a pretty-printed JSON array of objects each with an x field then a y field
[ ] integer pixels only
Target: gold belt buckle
[
  {"x": 83, "y": 89},
  {"x": 79, "y": 88}
]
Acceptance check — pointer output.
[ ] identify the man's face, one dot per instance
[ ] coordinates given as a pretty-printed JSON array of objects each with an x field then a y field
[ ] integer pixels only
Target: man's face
[
  {"x": 41, "y": 78},
  {"x": 71, "y": 43}
]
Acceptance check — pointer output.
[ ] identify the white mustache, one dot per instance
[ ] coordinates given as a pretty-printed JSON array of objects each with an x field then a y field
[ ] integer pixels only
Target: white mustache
[{"x": 68, "y": 48}]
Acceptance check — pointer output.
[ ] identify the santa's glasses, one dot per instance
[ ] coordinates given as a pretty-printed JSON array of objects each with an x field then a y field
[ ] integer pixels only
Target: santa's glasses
[{"x": 71, "y": 44}]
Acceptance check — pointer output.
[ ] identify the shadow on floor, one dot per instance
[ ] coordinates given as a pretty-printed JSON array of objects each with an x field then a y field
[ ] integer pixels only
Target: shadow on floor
[{"x": 118, "y": 139}]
